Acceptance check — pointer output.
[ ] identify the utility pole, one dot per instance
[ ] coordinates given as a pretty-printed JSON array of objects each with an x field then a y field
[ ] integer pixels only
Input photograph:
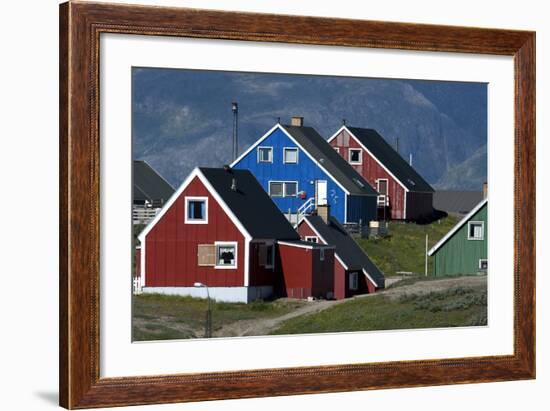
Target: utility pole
[
  {"x": 426, "y": 258},
  {"x": 235, "y": 110}
]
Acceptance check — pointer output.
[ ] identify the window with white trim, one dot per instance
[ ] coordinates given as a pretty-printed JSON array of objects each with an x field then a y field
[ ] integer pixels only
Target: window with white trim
[
  {"x": 265, "y": 154},
  {"x": 476, "y": 230},
  {"x": 283, "y": 188},
  {"x": 196, "y": 210},
  {"x": 483, "y": 264},
  {"x": 355, "y": 156},
  {"x": 353, "y": 281},
  {"x": 290, "y": 155},
  {"x": 312, "y": 238},
  {"x": 226, "y": 255},
  {"x": 337, "y": 149}
]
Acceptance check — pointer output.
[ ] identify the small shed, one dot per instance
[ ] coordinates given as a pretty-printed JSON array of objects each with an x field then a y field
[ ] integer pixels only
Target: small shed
[
  {"x": 463, "y": 250},
  {"x": 354, "y": 271}
]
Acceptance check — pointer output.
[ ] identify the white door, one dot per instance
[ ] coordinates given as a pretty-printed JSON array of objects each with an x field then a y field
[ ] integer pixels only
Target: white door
[{"x": 321, "y": 192}]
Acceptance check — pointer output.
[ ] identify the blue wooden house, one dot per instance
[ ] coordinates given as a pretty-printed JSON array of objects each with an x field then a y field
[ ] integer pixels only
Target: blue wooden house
[{"x": 300, "y": 170}]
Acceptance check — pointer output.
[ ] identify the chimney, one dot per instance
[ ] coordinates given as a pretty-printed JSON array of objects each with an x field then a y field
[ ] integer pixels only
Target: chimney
[
  {"x": 485, "y": 190},
  {"x": 410, "y": 159},
  {"x": 297, "y": 121},
  {"x": 323, "y": 211}
]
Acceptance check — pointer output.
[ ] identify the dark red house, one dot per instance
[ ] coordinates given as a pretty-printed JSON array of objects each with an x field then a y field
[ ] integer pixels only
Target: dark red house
[
  {"x": 221, "y": 229},
  {"x": 354, "y": 272},
  {"x": 402, "y": 193}
]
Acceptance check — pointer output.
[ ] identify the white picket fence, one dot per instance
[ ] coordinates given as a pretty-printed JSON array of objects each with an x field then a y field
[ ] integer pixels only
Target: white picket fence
[{"x": 137, "y": 286}]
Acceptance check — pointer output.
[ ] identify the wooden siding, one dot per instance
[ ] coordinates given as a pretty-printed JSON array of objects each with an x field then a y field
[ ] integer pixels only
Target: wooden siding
[
  {"x": 171, "y": 252},
  {"x": 341, "y": 275},
  {"x": 362, "y": 209},
  {"x": 459, "y": 255},
  {"x": 371, "y": 170},
  {"x": 259, "y": 274},
  {"x": 305, "y": 172},
  {"x": 303, "y": 274}
]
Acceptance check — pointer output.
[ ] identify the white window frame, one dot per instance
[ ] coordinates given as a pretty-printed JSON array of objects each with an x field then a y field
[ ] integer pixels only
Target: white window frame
[
  {"x": 312, "y": 237},
  {"x": 196, "y": 221},
  {"x": 353, "y": 285},
  {"x": 337, "y": 149},
  {"x": 225, "y": 244},
  {"x": 482, "y": 230},
  {"x": 285, "y": 149},
  {"x": 360, "y": 155},
  {"x": 284, "y": 183},
  {"x": 479, "y": 264},
  {"x": 270, "y": 154},
  {"x": 378, "y": 184}
]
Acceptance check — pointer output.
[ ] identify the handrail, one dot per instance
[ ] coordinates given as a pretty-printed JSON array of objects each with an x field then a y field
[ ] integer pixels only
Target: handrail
[{"x": 303, "y": 209}]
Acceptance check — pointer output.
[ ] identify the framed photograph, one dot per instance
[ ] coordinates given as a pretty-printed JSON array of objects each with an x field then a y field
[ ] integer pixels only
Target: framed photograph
[{"x": 257, "y": 205}]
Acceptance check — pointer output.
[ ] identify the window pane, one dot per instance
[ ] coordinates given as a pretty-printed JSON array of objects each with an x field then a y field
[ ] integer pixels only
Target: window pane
[
  {"x": 264, "y": 154},
  {"x": 226, "y": 255},
  {"x": 196, "y": 210},
  {"x": 276, "y": 189},
  {"x": 270, "y": 255},
  {"x": 291, "y": 189},
  {"x": 355, "y": 156},
  {"x": 291, "y": 156}
]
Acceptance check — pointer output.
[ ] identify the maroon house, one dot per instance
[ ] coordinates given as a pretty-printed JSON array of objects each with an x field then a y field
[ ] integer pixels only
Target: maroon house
[
  {"x": 354, "y": 272},
  {"x": 221, "y": 229},
  {"x": 402, "y": 193}
]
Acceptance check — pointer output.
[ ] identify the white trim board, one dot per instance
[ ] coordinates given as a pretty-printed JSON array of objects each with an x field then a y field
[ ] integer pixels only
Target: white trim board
[
  {"x": 310, "y": 247},
  {"x": 457, "y": 227}
]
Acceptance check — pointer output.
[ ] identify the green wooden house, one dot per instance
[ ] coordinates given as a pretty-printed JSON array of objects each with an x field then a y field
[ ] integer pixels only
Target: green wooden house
[{"x": 464, "y": 249}]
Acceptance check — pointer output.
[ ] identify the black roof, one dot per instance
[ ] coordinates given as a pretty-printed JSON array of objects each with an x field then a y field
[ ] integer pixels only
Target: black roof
[
  {"x": 347, "y": 248},
  {"x": 149, "y": 185},
  {"x": 250, "y": 203},
  {"x": 460, "y": 202},
  {"x": 322, "y": 151},
  {"x": 391, "y": 159}
]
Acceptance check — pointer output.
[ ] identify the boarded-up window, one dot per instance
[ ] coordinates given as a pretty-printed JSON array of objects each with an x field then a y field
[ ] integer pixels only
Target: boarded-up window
[{"x": 207, "y": 254}]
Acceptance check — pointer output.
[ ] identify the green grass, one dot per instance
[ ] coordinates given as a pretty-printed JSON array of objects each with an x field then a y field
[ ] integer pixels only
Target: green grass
[
  {"x": 457, "y": 306},
  {"x": 159, "y": 317},
  {"x": 404, "y": 248}
]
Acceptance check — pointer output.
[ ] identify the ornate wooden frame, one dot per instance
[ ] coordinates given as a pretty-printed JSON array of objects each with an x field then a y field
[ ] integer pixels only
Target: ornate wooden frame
[{"x": 80, "y": 27}]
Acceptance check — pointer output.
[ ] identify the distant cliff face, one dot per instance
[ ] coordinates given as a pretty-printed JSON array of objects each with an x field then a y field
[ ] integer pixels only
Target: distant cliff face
[{"x": 182, "y": 119}]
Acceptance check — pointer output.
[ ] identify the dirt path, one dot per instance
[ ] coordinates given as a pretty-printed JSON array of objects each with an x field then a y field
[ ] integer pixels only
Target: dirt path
[{"x": 264, "y": 326}]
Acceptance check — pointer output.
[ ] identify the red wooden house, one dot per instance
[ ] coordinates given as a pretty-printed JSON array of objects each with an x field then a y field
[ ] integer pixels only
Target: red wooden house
[
  {"x": 221, "y": 229},
  {"x": 402, "y": 193},
  {"x": 354, "y": 272}
]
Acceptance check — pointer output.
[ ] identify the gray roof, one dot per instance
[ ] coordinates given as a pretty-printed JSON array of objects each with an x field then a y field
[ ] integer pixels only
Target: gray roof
[
  {"x": 391, "y": 159},
  {"x": 461, "y": 202},
  {"x": 149, "y": 185},
  {"x": 250, "y": 204},
  {"x": 321, "y": 151},
  {"x": 347, "y": 248}
]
